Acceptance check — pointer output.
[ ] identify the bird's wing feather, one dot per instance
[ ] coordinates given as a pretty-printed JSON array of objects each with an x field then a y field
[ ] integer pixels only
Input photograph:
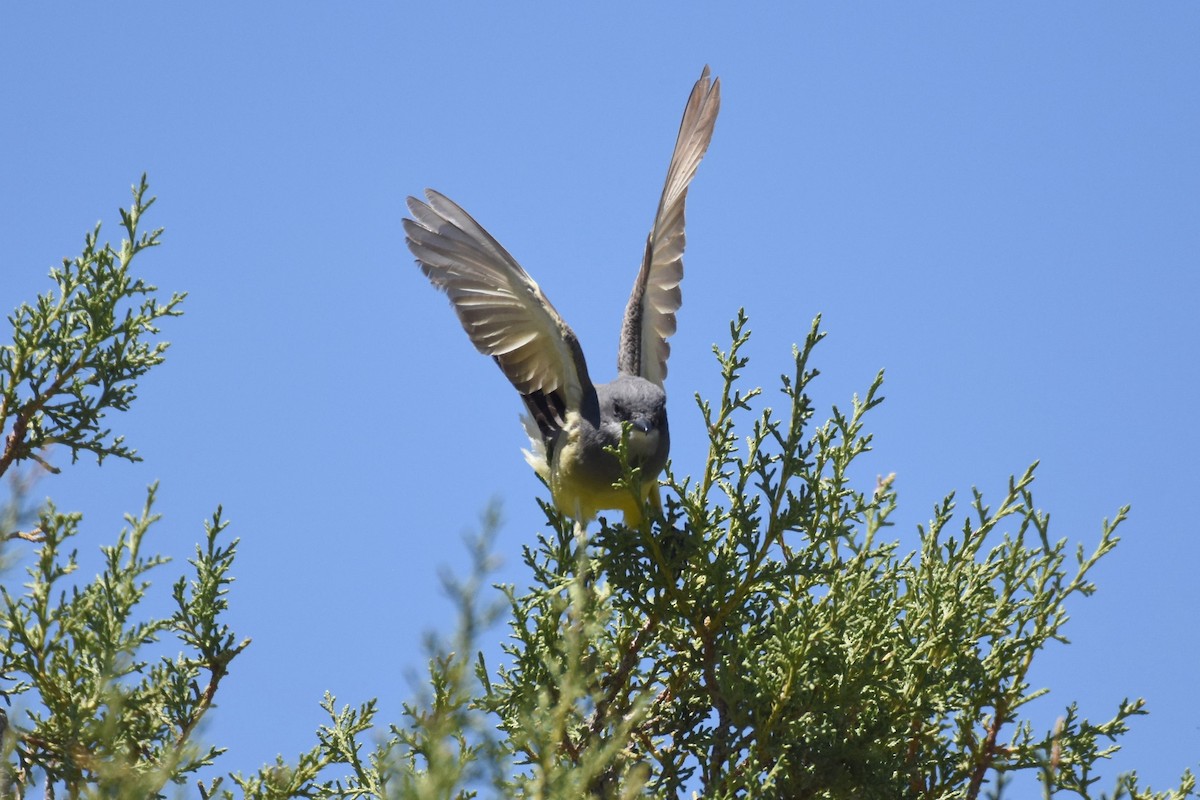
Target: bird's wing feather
[
  {"x": 501, "y": 308},
  {"x": 650, "y": 315}
]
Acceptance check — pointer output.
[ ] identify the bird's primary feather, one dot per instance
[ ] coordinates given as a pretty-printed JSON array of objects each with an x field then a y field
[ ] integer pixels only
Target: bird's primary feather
[
  {"x": 650, "y": 314},
  {"x": 501, "y": 308}
]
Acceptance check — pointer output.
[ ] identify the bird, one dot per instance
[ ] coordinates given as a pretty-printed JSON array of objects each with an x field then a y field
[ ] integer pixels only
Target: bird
[{"x": 574, "y": 425}]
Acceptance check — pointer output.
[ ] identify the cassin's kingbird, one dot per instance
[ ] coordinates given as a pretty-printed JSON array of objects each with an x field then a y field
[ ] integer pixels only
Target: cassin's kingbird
[{"x": 570, "y": 421}]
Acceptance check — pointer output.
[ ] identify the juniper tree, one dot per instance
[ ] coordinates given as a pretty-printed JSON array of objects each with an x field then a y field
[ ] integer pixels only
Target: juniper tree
[
  {"x": 763, "y": 637},
  {"x": 101, "y": 715}
]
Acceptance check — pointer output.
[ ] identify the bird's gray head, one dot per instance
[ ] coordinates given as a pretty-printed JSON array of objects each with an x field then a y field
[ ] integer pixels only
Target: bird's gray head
[{"x": 643, "y": 405}]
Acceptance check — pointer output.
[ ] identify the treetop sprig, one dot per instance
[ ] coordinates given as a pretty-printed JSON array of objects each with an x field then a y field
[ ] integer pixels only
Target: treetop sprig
[{"x": 78, "y": 351}]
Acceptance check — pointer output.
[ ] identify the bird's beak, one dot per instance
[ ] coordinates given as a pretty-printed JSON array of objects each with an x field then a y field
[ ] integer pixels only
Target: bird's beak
[{"x": 641, "y": 425}]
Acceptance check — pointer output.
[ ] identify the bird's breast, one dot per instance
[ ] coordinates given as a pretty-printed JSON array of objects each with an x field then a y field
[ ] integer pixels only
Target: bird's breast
[{"x": 583, "y": 472}]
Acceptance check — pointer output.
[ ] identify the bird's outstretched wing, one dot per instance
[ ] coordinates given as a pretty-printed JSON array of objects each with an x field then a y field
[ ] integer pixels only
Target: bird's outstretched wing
[
  {"x": 650, "y": 315},
  {"x": 501, "y": 308}
]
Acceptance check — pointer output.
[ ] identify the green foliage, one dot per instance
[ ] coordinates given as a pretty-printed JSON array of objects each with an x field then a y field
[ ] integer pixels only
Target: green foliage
[
  {"x": 760, "y": 638},
  {"x": 104, "y": 712},
  {"x": 766, "y": 643},
  {"x": 100, "y": 715},
  {"x": 78, "y": 352},
  {"x": 446, "y": 745}
]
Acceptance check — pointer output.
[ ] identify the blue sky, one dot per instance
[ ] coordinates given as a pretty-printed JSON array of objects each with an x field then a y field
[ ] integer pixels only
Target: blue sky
[{"x": 999, "y": 204}]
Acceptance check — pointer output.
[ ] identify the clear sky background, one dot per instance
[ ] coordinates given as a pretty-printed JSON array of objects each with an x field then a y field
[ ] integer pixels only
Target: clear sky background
[{"x": 999, "y": 204}]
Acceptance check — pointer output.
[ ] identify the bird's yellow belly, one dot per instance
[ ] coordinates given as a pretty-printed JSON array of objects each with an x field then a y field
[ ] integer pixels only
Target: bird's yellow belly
[{"x": 579, "y": 493}]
